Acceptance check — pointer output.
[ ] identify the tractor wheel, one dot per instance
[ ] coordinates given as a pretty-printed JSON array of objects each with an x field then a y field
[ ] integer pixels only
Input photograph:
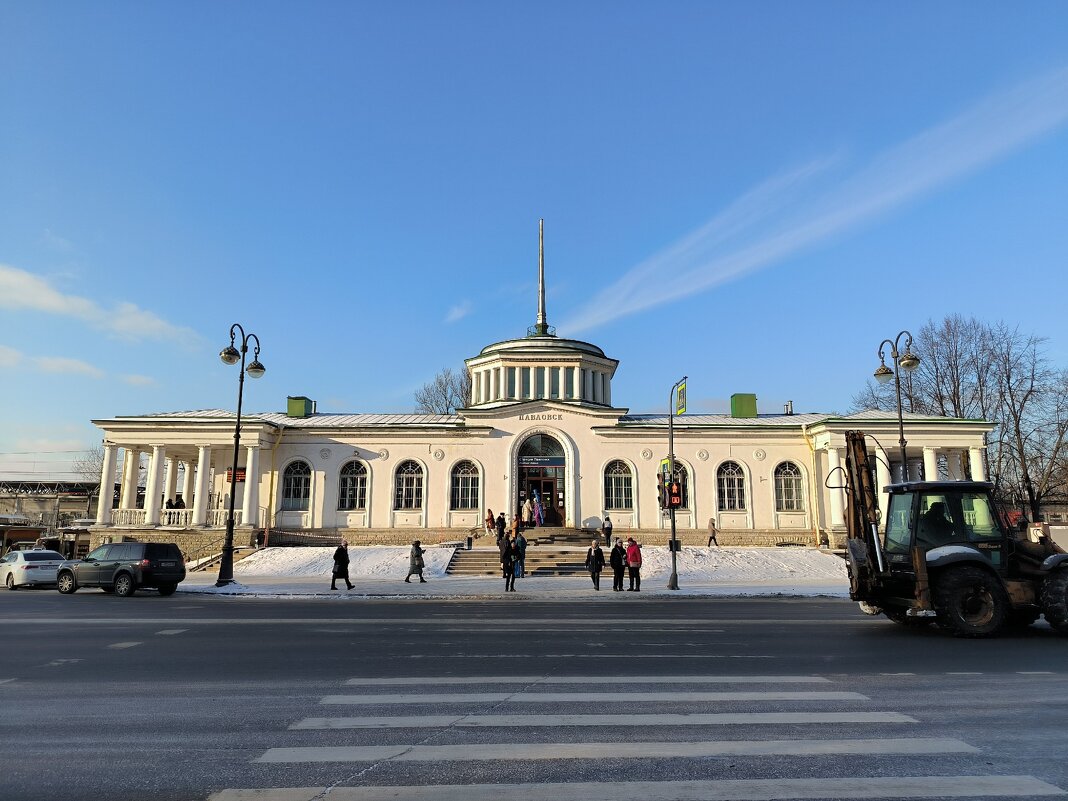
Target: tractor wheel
[
  {"x": 901, "y": 617},
  {"x": 1055, "y": 600},
  {"x": 970, "y": 602}
]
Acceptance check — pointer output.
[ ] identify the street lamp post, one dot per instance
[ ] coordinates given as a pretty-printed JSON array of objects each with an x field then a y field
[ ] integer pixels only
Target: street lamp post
[
  {"x": 673, "y": 579},
  {"x": 907, "y": 361},
  {"x": 231, "y": 355}
]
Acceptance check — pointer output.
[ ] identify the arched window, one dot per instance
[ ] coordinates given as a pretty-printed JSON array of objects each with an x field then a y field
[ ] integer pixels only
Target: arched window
[
  {"x": 788, "y": 493},
  {"x": 352, "y": 487},
  {"x": 683, "y": 477},
  {"x": 731, "y": 483},
  {"x": 464, "y": 495},
  {"x": 408, "y": 486},
  {"x": 296, "y": 487},
  {"x": 618, "y": 487}
]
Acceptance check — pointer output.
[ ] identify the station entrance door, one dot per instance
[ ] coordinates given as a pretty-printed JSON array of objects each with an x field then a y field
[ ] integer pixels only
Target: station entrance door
[{"x": 541, "y": 472}]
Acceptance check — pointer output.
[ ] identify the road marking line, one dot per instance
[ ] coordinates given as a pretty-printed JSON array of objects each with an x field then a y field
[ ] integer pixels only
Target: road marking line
[
  {"x": 5, "y": 681},
  {"x": 897, "y": 674},
  {"x": 415, "y": 680},
  {"x": 619, "y": 697},
  {"x": 117, "y": 645},
  {"x": 530, "y": 721},
  {"x": 1035, "y": 672},
  {"x": 963, "y": 673},
  {"x": 172, "y": 631},
  {"x": 893, "y": 787}
]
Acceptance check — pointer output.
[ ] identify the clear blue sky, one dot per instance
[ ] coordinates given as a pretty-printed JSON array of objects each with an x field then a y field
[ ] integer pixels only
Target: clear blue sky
[{"x": 753, "y": 194}]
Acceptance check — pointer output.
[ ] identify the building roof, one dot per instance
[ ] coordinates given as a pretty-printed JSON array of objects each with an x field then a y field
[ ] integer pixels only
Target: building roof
[{"x": 318, "y": 420}]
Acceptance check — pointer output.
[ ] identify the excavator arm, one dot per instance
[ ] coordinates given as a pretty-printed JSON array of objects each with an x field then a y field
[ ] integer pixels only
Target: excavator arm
[{"x": 864, "y": 553}]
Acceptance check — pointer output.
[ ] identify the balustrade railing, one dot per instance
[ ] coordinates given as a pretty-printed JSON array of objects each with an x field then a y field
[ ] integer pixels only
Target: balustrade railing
[
  {"x": 178, "y": 518},
  {"x": 217, "y": 517},
  {"x": 128, "y": 517}
]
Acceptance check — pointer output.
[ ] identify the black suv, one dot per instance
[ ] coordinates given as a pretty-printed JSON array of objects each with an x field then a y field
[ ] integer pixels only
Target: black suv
[{"x": 122, "y": 567}]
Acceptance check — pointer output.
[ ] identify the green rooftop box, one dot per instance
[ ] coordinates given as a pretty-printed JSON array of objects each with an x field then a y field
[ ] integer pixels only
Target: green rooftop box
[
  {"x": 299, "y": 406},
  {"x": 743, "y": 404}
]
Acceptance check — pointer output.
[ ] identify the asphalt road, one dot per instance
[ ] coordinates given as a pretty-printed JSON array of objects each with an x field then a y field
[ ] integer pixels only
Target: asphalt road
[{"x": 186, "y": 697}]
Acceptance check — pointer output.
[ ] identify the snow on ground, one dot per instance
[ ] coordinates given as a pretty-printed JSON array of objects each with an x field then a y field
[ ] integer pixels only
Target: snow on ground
[{"x": 373, "y": 561}]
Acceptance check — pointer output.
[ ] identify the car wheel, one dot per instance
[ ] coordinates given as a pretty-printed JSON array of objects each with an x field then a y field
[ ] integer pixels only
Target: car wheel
[
  {"x": 65, "y": 583},
  {"x": 124, "y": 585},
  {"x": 11, "y": 582},
  {"x": 167, "y": 589},
  {"x": 971, "y": 602},
  {"x": 1055, "y": 601}
]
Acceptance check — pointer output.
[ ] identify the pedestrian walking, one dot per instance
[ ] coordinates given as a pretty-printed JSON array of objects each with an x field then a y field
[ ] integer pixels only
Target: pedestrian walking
[
  {"x": 341, "y": 566},
  {"x": 528, "y": 513},
  {"x": 491, "y": 522},
  {"x": 634, "y": 566},
  {"x": 618, "y": 560},
  {"x": 606, "y": 529},
  {"x": 521, "y": 541},
  {"x": 415, "y": 563},
  {"x": 510, "y": 565},
  {"x": 712, "y": 532},
  {"x": 595, "y": 562}
]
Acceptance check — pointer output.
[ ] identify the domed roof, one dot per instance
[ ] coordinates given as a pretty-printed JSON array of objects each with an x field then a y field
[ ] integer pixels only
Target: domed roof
[{"x": 543, "y": 344}]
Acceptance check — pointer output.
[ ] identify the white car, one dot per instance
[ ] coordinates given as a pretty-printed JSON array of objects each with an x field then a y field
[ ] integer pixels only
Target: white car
[{"x": 29, "y": 568}]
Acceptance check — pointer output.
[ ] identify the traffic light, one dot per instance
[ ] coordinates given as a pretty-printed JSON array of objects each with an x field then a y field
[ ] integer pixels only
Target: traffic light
[
  {"x": 674, "y": 495},
  {"x": 661, "y": 492}
]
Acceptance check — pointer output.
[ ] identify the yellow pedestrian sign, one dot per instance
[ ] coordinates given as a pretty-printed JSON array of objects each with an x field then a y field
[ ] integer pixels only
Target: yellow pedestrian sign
[{"x": 680, "y": 400}]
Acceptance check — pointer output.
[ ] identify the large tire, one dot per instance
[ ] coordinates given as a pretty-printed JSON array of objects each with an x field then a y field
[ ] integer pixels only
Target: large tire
[
  {"x": 11, "y": 585},
  {"x": 970, "y": 602},
  {"x": 65, "y": 582},
  {"x": 1055, "y": 600},
  {"x": 901, "y": 617},
  {"x": 124, "y": 585},
  {"x": 167, "y": 589}
]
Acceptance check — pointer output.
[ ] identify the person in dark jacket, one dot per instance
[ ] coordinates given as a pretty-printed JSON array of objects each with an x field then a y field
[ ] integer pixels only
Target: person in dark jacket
[
  {"x": 415, "y": 563},
  {"x": 618, "y": 560},
  {"x": 510, "y": 565},
  {"x": 341, "y": 566},
  {"x": 521, "y": 542},
  {"x": 606, "y": 529},
  {"x": 595, "y": 563}
]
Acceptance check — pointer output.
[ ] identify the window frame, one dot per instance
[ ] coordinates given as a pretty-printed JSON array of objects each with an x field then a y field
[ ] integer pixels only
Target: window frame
[
  {"x": 352, "y": 486},
  {"x": 783, "y": 500},
  {"x": 408, "y": 481},
  {"x": 296, "y": 487},
  {"x": 618, "y": 486},
  {"x": 465, "y": 487},
  {"x": 730, "y": 488}
]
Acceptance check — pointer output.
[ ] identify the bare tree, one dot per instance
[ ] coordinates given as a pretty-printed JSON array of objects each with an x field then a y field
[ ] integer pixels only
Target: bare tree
[
  {"x": 448, "y": 392},
  {"x": 89, "y": 464}
]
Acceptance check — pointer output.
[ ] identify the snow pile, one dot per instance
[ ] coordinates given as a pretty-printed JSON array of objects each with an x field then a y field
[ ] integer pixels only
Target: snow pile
[
  {"x": 747, "y": 565},
  {"x": 373, "y": 561}
]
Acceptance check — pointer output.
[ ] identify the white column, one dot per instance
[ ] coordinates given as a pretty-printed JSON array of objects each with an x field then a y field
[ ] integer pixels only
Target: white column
[
  {"x": 250, "y": 504},
  {"x": 837, "y": 496},
  {"x": 200, "y": 496},
  {"x": 187, "y": 483},
  {"x": 154, "y": 485},
  {"x": 107, "y": 486},
  {"x": 882, "y": 478},
  {"x": 561, "y": 378},
  {"x": 171, "y": 485},
  {"x": 930, "y": 464},
  {"x": 131, "y": 466},
  {"x": 607, "y": 389},
  {"x": 975, "y": 457},
  {"x": 532, "y": 383}
]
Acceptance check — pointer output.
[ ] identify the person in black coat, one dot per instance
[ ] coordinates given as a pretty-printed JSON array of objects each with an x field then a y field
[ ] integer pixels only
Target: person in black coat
[
  {"x": 595, "y": 562},
  {"x": 510, "y": 564},
  {"x": 341, "y": 566},
  {"x": 618, "y": 560},
  {"x": 501, "y": 524}
]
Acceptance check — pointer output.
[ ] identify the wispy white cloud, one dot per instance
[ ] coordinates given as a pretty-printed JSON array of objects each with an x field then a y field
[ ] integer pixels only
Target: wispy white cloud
[
  {"x": 9, "y": 357},
  {"x": 459, "y": 311},
  {"x": 51, "y": 239},
  {"x": 139, "y": 380},
  {"x": 22, "y": 290},
  {"x": 788, "y": 213},
  {"x": 62, "y": 364}
]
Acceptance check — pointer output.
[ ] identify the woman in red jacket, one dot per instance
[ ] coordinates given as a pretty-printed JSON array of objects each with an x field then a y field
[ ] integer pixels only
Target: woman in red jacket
[{"x": 634, "y": 565}]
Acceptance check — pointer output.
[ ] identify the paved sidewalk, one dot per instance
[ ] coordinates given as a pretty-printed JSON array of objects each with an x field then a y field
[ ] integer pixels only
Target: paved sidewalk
[{"x": 530, "y": 588}]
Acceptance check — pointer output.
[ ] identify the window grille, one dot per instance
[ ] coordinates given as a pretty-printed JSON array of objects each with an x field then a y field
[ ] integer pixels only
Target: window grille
[
  {"x": 618, "y": 487},
  {"x": 464, "y": 495},
  {"x": 731, "y": 481},
  {"x": 788, "y": 492},
  {"x": 296, "y": 487},
  {"x": 408, "y": 486},
  {"x": 352, "y": 487}
]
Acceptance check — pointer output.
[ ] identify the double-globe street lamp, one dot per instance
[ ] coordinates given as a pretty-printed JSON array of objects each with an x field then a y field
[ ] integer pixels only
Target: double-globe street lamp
[
  {"x": 231, "y": 355},
  {"x": 907, "y": 361}
]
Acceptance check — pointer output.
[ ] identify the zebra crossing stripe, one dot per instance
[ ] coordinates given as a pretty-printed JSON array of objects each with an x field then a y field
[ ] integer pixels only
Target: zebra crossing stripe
[
  {"x": 889, "y": 787},
  {"x": 431, "y": 680},
  {"x": 628, "y": 720},
  {"x": 494, "y": 752},
  {"x": 617, "y": 697}
]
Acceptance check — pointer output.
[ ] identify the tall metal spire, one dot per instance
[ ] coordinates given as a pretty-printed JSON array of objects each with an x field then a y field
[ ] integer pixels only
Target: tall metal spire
[{"x": 542, "y": 328}]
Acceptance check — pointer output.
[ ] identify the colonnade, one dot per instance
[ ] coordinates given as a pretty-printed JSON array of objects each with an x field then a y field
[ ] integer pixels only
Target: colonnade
[
  {"x": 161, "y": 484},
  {"x": 512, "y": 382}
]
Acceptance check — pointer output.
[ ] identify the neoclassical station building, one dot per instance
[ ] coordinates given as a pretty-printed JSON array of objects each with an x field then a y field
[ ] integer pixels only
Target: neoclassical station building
[{"x": 542, "y": 418}]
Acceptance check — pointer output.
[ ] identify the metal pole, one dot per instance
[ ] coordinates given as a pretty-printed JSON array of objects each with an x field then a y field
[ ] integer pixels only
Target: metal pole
[
  {"x": 226, "y": 564},
  {"x": 673, "y": 579},
  {"x": 900, "y": 419}
]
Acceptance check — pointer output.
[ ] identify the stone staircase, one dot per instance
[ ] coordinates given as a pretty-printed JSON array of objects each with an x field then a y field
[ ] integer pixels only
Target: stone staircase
[{"x": 550, "y": 552}]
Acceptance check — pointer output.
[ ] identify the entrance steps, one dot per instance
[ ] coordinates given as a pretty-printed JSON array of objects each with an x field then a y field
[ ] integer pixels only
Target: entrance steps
[{"x": 545, "y": 557}]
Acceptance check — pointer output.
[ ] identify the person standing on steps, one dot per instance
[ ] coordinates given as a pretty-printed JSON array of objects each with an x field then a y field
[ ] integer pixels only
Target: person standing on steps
[
  {"x": 415, "y": 563},
  {"x": 521, "y": 541},
  {"x": 712, "y": 532},
  {"x": 606, "y": 529},
  {"x": 341, "y": 566},
  {"x": 510, "y": 565},
  {"x": 634, "y": 565},
  {"x": 595, "y": 562},
  {"x": 501, "y": 528},
  {"x": 618, "y": 560}
]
